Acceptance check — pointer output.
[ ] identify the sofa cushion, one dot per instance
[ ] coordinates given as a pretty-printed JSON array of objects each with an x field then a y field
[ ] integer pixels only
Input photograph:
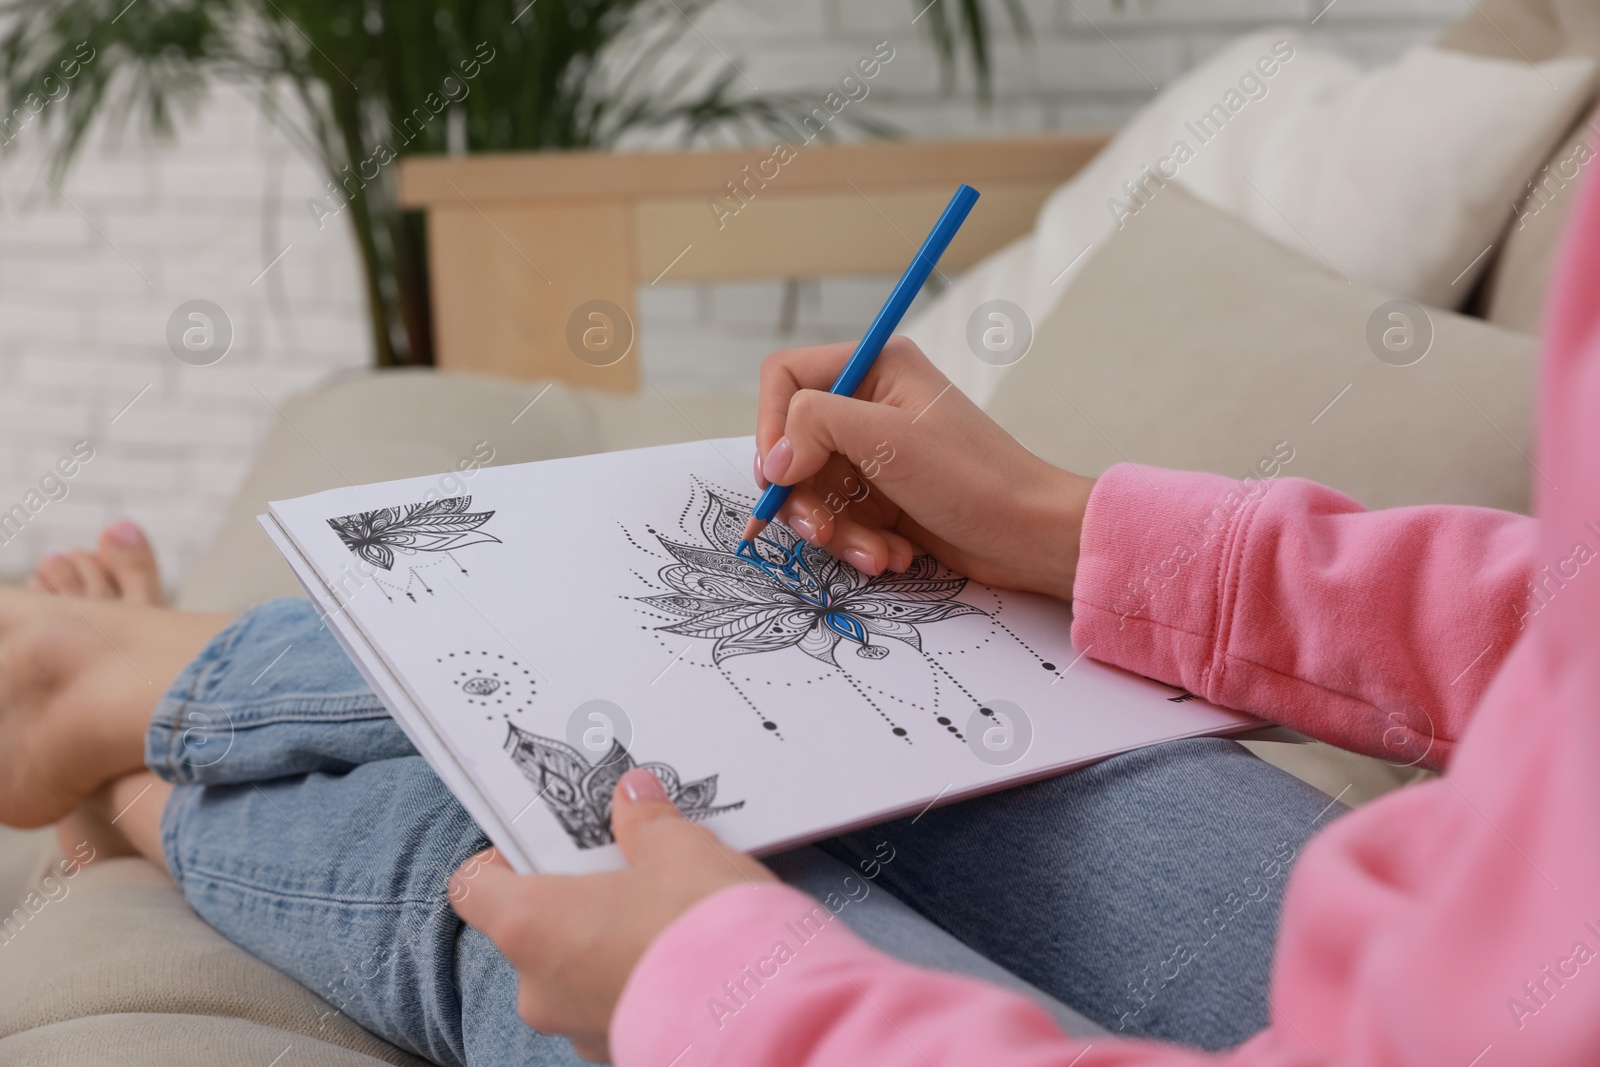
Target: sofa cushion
[
  {"x": 1193, "y": 341},
  {"x": 1517, "y": 272},
  {"x": 1507, "y": 29},
  {"x": 171, "y": 1040},
  {"x": 20, "y": 855},
  {"x": 117, "y": 939},
  {"x": 1514, "y": 292},
  {"x": 1528, "y": 30},
  {"x": 1401, "y": 176}
]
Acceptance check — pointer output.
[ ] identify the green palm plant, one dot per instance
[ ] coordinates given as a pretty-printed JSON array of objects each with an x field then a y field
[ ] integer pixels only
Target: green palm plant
[
  {"x": 959, "y": 25},
  {"x": 373, "y": 80}
]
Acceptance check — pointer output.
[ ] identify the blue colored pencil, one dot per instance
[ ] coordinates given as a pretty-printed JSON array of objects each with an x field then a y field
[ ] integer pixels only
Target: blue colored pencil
[{"x": 877, "y": 335}]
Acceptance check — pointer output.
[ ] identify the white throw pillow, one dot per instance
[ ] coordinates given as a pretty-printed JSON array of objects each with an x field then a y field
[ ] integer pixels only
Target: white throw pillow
[{"x": 1399, "y": 177}]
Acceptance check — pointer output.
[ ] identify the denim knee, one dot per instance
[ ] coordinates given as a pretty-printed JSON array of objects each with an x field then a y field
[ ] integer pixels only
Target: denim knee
[{"x": 272, "y": 695}]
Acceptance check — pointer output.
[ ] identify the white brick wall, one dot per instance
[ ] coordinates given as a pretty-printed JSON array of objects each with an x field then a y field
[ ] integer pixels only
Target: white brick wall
[
  {"x": 86, "y": 287},
  {"x": 87, "y": 282}
]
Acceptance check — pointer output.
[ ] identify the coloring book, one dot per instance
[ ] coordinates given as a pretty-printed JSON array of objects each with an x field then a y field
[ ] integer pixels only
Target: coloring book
[{"x": 575, "y": 618}]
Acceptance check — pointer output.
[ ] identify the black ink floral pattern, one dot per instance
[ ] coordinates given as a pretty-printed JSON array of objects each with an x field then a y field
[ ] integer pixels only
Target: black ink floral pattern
[
  {"x": 578, "y": 793},
  {"x": 435, "y": 526},
  {"x": 794, "y": 594}
]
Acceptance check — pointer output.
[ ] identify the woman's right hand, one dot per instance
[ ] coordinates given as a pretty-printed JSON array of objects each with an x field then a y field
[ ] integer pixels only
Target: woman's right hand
[{"x": 910, "y": 463}]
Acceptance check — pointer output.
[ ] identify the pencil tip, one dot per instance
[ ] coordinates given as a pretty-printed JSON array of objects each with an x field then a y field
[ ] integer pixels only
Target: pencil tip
[{"x": 751, "y": 528}]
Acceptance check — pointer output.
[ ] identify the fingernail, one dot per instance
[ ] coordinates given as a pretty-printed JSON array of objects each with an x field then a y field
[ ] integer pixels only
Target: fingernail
[
  {"x": 803, "y": 527},
  {"x": 761, "y": 479},
  {"x": 778, "y": 460},
  {"x": 859, "y": 560},
  {"x": 898, "y": 564},
  {"x": 641, "y": 784},
  {"x": 126, "y": 534}
]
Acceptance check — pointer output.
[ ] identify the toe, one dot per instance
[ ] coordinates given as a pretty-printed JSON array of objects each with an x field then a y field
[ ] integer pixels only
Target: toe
[
  {"x": 57, "y": 574},
  {"x": 93, "y": 574},
  {"x": 126, "y": 553}
]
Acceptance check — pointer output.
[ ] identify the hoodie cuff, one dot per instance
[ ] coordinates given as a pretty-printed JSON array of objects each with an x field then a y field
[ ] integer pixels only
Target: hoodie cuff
[
  {"x": 716, "y": 962},
  {"x": 1156, "y": 564}
]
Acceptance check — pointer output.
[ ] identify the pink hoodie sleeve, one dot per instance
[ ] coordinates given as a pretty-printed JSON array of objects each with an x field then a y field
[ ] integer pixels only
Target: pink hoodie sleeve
[{"x": 1376, "y": 631}]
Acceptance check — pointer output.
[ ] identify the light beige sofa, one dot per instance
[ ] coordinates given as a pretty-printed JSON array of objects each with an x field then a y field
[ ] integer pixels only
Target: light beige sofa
[{"x": 1192, "y": 342}]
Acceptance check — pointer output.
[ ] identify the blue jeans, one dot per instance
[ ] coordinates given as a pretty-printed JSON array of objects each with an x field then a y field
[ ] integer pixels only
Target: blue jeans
[{"x": 1142, "y": 891}]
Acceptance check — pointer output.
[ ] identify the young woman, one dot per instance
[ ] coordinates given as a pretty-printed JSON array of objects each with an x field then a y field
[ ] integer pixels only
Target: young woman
[{"x": 1452, "y": 923}]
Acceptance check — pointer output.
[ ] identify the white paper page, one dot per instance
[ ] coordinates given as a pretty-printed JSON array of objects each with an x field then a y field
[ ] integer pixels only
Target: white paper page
[
  {"x": 781, "y": 712},
  {"x": 418, "y": 728}
]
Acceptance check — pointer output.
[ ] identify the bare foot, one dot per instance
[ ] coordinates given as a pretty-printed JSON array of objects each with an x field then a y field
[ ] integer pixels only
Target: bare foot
[
  {"x": 78, "y": 682},
  {"x": 86, "y": 835},
  {"x": 122, "y": 819},
  {"x": 124, "y": 568}
]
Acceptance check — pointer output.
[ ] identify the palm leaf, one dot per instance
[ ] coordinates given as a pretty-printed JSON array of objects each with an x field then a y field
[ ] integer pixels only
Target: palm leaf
[{"x": 954, "y": 23}]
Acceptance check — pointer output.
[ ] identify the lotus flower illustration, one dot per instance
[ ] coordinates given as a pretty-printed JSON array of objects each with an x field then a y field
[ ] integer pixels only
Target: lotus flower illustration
[
  {"x": 435, "y": 526},
  {"x": 787, "y": 593},
  {"x": 578, "y": 793}
]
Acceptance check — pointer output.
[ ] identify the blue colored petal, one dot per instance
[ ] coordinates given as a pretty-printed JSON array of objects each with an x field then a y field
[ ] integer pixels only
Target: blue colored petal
[{"x": 847, "y": 626}]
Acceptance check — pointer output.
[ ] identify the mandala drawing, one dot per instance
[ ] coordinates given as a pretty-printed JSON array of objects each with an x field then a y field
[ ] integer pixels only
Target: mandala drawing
[
  {"x": 787, "y": 593},
  {"x": 578, "y": 793},
  {"x": 782, "y": 593},
  {"x": 437, "y": 526}
]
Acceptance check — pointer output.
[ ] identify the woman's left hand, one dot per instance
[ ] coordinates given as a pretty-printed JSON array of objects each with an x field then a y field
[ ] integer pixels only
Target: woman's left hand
[{"x": 574, "y": 940}]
